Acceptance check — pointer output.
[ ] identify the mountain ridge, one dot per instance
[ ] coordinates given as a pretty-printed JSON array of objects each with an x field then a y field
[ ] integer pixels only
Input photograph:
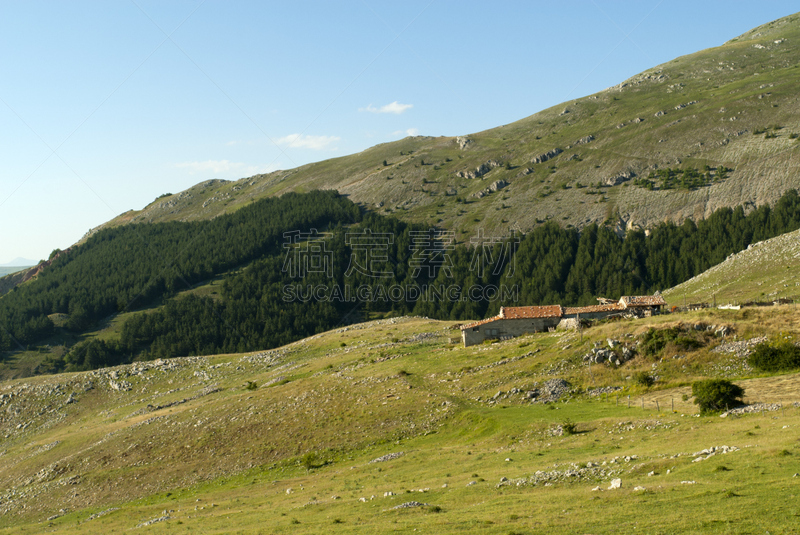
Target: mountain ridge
[{"x": 575, "y": 163}]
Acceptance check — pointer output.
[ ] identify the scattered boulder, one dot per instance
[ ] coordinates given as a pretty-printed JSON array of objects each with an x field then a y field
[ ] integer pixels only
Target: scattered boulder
[
  {"x": 615, "y": 356},
  {"x": 387, "y": 457},
  {"x": 710, "y": 452},
  {"x": 122, "y": 386},
  {"x": 410, "y": 504},
  {"x": 615, "y": 484}
]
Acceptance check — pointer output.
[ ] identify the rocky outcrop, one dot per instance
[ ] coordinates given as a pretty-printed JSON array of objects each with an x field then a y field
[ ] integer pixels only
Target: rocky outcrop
[
  {"x": 619, "y": 178},
  {"x": 481, "y": 170},
  {"x": 546, "y": 156},
  {"x": 497, "y": 185},
  {"x": 34, "y": 271}
]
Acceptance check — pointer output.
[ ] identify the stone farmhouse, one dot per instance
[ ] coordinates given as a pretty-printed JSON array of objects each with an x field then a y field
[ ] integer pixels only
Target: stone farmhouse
[{"x": 516, "y": 321}]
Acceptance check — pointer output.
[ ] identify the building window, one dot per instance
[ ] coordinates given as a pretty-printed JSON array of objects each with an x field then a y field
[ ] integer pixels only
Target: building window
[{"x": 475, "y": 329}]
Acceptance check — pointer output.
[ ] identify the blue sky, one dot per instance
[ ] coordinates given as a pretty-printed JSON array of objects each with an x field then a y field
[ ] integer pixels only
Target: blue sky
[{"x": 106, "y": 105}]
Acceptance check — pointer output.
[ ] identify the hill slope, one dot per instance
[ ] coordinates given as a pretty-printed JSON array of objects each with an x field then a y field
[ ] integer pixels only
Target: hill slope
[
  {"x": 283, "y": 440},
  {"x": 730, "y": 107},
  {"x": 765, "y": 271}
]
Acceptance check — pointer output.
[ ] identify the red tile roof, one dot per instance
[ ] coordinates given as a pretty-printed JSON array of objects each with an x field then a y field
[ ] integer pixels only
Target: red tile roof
[
  {"x": 642, "y": 300},
  {"x": 519, "y": 313},
  {"x": 568, "y": 311},
  {"x": 480, "y": 322},
  {"x": 557, "y": 311},
  {"x": 549, "y": 311}
]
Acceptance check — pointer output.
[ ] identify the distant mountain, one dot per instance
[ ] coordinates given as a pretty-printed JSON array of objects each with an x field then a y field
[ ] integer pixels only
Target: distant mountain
[
  {"x": 718, "y": 128},
  {"x": 20, "y": 262}
]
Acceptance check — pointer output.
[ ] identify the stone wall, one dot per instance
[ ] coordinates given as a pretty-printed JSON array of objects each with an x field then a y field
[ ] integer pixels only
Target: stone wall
[{"x": 506, "y": 327}]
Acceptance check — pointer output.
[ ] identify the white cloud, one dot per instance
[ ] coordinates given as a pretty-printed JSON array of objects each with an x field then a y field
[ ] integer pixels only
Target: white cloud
[
  {"x": 224, "y": 166},
  {"x": 299, "y": 141},
  {"x": 395, "y": 107},
  {"x": 408, "y": 132}
]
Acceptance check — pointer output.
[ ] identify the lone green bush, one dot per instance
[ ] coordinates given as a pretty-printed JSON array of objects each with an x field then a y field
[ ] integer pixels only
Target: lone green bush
[
  {"x": 775, "y": 357},
  {"x": 716, "y": 394},
  {"x": 643, "y": 379},
  {"x": 654, "y": 340},
  {"x": 311, "y": 460},
  {"x": 569, "y": 427}
]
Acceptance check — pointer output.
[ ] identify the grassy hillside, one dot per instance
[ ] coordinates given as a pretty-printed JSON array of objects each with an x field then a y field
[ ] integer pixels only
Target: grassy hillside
[
  {"x": 283, "y": 441},
  {"x": 733, "y": 106},
  {"x": 765, "y": 271}
]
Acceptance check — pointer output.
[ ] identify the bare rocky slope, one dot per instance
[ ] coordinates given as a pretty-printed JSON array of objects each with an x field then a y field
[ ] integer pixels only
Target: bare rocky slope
[{"x": 735, "y": 106}]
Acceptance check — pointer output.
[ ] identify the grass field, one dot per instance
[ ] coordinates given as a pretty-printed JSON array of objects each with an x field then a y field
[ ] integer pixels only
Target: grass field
[{"x": 281, "y": 441}]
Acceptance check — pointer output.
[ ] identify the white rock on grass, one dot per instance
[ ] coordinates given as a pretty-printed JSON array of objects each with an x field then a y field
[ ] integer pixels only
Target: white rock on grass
[{"x": 615, "y": 484}]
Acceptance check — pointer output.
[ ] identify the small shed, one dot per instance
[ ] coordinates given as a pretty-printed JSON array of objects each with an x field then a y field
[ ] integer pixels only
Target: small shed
[{"x": 643, "y": 305}]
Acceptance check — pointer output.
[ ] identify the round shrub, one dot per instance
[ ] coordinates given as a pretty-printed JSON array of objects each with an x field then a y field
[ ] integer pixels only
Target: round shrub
[
  {"x": 775, "y": 357},
  {"x": 716, "y": 394},
  {"x": 643, "y": 379}
]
